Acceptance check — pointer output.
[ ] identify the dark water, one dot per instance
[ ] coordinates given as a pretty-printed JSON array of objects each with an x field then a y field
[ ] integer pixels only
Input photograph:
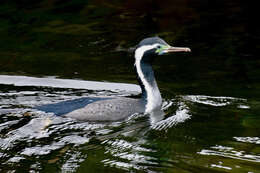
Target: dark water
[{"x": 211, "y": 96}]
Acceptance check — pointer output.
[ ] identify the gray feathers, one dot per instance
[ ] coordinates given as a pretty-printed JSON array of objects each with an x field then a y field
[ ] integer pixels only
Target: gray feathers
[
  {"x": 151, "y": 41},
  {"x": 108, "y": 110}
]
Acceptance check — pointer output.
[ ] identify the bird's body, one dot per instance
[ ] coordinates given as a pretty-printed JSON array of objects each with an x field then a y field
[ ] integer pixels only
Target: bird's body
[{"x": 115, "y": 109}]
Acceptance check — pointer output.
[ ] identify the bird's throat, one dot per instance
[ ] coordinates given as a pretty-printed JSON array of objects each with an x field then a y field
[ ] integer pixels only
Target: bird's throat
[{"x": 150, "y": 91}]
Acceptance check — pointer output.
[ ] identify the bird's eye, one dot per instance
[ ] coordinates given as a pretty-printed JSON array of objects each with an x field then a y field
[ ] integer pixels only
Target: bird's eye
[{"x": 159, "y": 47}]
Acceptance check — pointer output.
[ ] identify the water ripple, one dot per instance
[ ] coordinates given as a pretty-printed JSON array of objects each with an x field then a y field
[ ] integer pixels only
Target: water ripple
[
  {"x": 253, "y": 140},
  {"x": 43, "y": 140},
  {"x": 75, "y": 158},
  {"x": 220, "y": 166},
  {"x": 230, "y": 152},
  {"x": 213, "y": 101},
  {"x": 129, "y": 155},
  {"x": 181, "y": 115}
]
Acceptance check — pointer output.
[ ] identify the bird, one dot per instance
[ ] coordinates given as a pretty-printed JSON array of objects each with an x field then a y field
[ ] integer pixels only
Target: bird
[{"x": 119, "y": 108}]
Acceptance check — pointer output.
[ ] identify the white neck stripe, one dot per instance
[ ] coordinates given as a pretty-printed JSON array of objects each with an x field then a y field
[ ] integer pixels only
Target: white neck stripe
[{"x": 154, "y": 99}]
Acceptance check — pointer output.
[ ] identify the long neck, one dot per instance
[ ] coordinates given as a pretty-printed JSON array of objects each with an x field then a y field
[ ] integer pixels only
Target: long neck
[{"x": 146, "y": 79}]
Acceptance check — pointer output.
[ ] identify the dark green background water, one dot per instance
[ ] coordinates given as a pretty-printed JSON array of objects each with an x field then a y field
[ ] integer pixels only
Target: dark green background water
[{"x": 90, "y": 40}]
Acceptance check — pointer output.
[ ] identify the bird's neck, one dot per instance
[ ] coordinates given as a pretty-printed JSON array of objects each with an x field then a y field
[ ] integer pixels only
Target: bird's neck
[{"x": 150, "y": 92}]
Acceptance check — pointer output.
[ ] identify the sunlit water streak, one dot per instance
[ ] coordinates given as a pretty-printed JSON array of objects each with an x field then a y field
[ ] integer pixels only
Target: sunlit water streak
[
  {"x": 52, "y": 81},
  {"x": 132, "y": 154},
  {"x": 44, "y": 139},
  {"x": 230, "y": 152},
  {"x": 254, "y": 140},
  {"x": 220, "y": 166},
  {"x": 215, "y": 100}
]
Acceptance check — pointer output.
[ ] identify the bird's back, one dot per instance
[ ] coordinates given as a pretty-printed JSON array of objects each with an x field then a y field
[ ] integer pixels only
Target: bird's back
[
  {"x": 65, "y": 107},
  {"x": 114, "y": 109}
]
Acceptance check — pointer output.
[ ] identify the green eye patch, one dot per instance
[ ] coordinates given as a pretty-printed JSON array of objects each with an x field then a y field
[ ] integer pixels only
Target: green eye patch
[{"x": 161, "y": 49}]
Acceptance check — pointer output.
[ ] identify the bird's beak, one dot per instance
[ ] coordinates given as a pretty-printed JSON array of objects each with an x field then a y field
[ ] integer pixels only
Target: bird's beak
[{"x": 177, "y": 49}]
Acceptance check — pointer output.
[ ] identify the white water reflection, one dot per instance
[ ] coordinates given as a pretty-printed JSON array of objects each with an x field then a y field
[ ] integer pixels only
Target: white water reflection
[
  {"x": 214, "y": 100},
  {"x": 220, "y": 166},
  {"x": 230, "y": 152},
  {"x": 66, "y": 83},
  {"x": 182, "y": 114},
  {"x": 43, "y": 135},
  {"x": 253, "y": 140},
  {"x": 43, "y": 127},
  {"x": 128, "y": 155},
  {"x": 15, "y": 159},
  {"x": 75, "y": 158}
]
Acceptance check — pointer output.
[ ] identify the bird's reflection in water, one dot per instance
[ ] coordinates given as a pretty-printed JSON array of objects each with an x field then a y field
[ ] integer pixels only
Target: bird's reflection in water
[{"x": 156, "y": 116}]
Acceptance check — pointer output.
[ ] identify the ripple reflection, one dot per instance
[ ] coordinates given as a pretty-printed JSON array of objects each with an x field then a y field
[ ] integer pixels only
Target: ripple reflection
[{"x": 230, "y": 152}]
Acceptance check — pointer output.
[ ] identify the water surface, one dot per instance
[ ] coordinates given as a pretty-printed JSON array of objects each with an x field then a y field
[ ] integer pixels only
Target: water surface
[{"x": 199, "y": 132}]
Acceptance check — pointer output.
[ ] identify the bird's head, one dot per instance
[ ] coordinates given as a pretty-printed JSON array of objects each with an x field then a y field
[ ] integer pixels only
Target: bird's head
[{"x": 150, "y": 47}]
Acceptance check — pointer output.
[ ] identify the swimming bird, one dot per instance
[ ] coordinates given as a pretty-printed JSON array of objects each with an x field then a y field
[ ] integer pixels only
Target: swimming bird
[{"x": 119, "y": 108}]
